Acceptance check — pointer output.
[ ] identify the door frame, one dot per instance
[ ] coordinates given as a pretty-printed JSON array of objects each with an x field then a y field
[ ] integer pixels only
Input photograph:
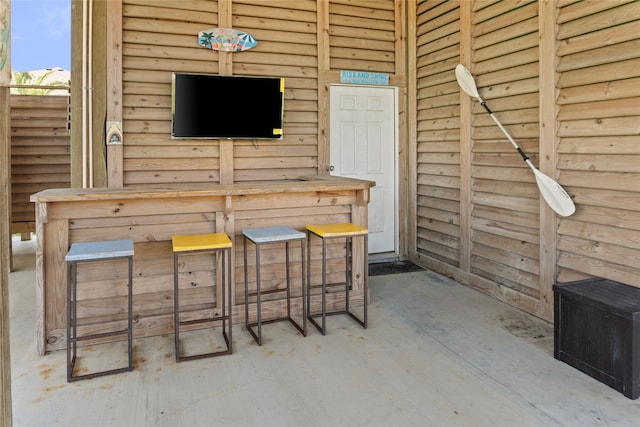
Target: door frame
[{"x": 395, "y": 254}]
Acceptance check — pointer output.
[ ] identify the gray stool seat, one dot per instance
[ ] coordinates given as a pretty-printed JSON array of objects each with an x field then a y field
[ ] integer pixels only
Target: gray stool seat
[
  {"x": 95, "y": 251},
  {"x": 259, "y": 236}
]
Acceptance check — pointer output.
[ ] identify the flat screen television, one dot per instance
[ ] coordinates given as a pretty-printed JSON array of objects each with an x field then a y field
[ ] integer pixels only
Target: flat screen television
[{"x": 226, "y": 107}]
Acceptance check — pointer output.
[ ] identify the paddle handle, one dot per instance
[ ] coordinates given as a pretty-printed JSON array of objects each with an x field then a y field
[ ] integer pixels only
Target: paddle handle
[{"x": 511, "y": 140}]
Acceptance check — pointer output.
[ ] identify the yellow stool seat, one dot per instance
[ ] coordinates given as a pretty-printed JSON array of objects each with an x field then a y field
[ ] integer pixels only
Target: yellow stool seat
[
  {"x": 217, "y": 244},
  {"x": 347, "y": 231},
  {"x": 199, "y": 242},
  {"x": 337, "y": 230}
]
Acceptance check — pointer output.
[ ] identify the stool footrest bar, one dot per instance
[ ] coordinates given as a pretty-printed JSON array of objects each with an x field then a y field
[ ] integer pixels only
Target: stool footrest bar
[
  {"x": 198, "y": 321},
  {"x": 269, "y": 292},
  {"x": 252, "y": 325},
  {"x": 210, "y": 354},
  {"x": 99, "y": 335},
  {"x": 95, "y": 374}
]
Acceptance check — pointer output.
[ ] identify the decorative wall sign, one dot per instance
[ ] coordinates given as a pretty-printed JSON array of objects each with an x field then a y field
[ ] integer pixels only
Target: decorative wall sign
[
  {"x": 114, "y": 133},
  {"x": 364, "y": 78},
  {"x": 226, "y": 40}
]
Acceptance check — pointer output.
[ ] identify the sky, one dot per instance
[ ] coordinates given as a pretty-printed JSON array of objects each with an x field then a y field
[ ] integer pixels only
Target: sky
[{"x": 40, "y": 34}]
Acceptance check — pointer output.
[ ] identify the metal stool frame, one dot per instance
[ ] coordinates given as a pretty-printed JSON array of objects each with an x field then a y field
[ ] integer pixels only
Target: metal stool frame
[
  {"x": 347, "y": 284},
  {"x": 72, "y": 310},
  {"x": 258, "y": 294},
  {"x": 226, "y": 282}
]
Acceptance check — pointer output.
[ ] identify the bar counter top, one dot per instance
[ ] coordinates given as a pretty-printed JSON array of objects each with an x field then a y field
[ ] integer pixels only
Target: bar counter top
[{"x": 303, "y": 184}]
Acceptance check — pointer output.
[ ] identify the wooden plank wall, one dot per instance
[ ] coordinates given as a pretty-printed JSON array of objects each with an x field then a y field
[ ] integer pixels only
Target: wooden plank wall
[
  {"x": 599, "y": 138},
  {"x": 40, "y": 153},
  {"x": 438, "y": 132},
  {"x": 479, "y": 217},
  {"x": 505, "y": 213},
  {"x": 287, "y": 47},
  {"x": 158, "y": 38},
  {"x": 297, "y": 40},
  {"x": 362, "y": 35}
]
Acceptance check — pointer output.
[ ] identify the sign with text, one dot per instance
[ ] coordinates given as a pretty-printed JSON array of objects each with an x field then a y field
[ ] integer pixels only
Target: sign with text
[{"x": 364, "y": 78}]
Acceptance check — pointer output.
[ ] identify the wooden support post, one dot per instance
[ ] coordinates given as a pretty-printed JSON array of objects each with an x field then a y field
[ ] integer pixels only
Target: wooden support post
[
  {"x": 115, "y": 174},
  {"x": 323, "y": 87},
  {"x": 359, "y": 216},
  {"x": 412, "y": 133},
  {"x": 547, "y": 14},
  {"x": 5, "y": 214},
  {"x": 75, "y": 99},
  {"x": 465, "y": 141},
  {"x": 225, "y": 68},
  {"x": 41, "y": 221},
  {"x": 225, "y": 223},
  {"x": 401, "y": 8}
]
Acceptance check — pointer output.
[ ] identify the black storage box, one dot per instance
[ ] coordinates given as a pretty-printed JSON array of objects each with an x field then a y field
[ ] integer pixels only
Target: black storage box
[{"x": 597, "y": 330}]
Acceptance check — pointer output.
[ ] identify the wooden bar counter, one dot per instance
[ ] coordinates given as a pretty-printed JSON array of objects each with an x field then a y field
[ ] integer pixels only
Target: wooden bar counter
[{"x": 150, "y": 216}]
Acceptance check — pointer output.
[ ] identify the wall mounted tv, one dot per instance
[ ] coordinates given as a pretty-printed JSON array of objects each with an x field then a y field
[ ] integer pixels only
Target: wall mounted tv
[{"x": 209, "y": 106}]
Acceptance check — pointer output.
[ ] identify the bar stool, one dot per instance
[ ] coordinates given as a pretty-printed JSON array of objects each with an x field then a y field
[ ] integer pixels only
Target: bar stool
[
  {"x": 345, "y": 231},
  {"x": 259, "y": 236},
  {"x": 204, "y": 243},
  {"x": 86, "y": 252}
]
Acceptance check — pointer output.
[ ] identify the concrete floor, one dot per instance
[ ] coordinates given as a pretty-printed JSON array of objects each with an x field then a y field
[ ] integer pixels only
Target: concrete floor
[{"x": 435, "y": 354}]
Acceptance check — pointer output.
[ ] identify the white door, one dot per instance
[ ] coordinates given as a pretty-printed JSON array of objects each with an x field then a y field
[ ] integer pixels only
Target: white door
[{"x": 362, "y": 145}]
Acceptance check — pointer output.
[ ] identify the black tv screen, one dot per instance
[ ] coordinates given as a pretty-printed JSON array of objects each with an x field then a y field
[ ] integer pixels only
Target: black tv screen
[{"x": 226, "y": 107}]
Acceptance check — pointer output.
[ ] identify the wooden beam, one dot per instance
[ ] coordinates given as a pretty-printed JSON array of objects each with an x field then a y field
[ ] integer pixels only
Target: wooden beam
[
  {"x": 359, "y": 216},
  {"x": 41, "y": 220},
  {"x": 226, "y": 223},
  {"x": 466, "y": 117},
  {"x": 323, "y": 35},
  {"x": 75, "y": 97},
  {"x": 323, "y": 87},
  {"x": 115, "y": 174},
  {"x": 225, "y": 68},
  {"x": 401, "y": 8},
  {"x": 225, "y": 20},
  {"x": 411, "y": 132},
  {"x": 5, "y": 214},
  {"x": 547, "y": 16},
  {"x": 99, "y": 83}
]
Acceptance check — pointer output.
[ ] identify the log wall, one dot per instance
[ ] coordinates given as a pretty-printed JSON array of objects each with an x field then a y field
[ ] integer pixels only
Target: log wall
[
  {"x": 563, "y": 79},
  {"x": 40, "y": 153}
]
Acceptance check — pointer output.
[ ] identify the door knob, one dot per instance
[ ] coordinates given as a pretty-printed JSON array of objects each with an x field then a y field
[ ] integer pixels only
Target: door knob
[{"x": 331, "y": 168}]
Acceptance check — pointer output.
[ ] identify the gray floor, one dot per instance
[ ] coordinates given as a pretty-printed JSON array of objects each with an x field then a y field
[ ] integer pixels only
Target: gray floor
[{"x": 435, "y": 354}]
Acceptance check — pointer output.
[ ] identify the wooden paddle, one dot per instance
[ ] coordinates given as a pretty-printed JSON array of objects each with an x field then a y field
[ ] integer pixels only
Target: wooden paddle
[{"x": 553, "y": 193}]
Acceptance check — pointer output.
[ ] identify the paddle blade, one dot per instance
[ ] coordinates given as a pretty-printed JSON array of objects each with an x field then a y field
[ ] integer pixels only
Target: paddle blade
[
  {"x": 466, "y": 81},
  {"x": 555, "y": 196}
]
